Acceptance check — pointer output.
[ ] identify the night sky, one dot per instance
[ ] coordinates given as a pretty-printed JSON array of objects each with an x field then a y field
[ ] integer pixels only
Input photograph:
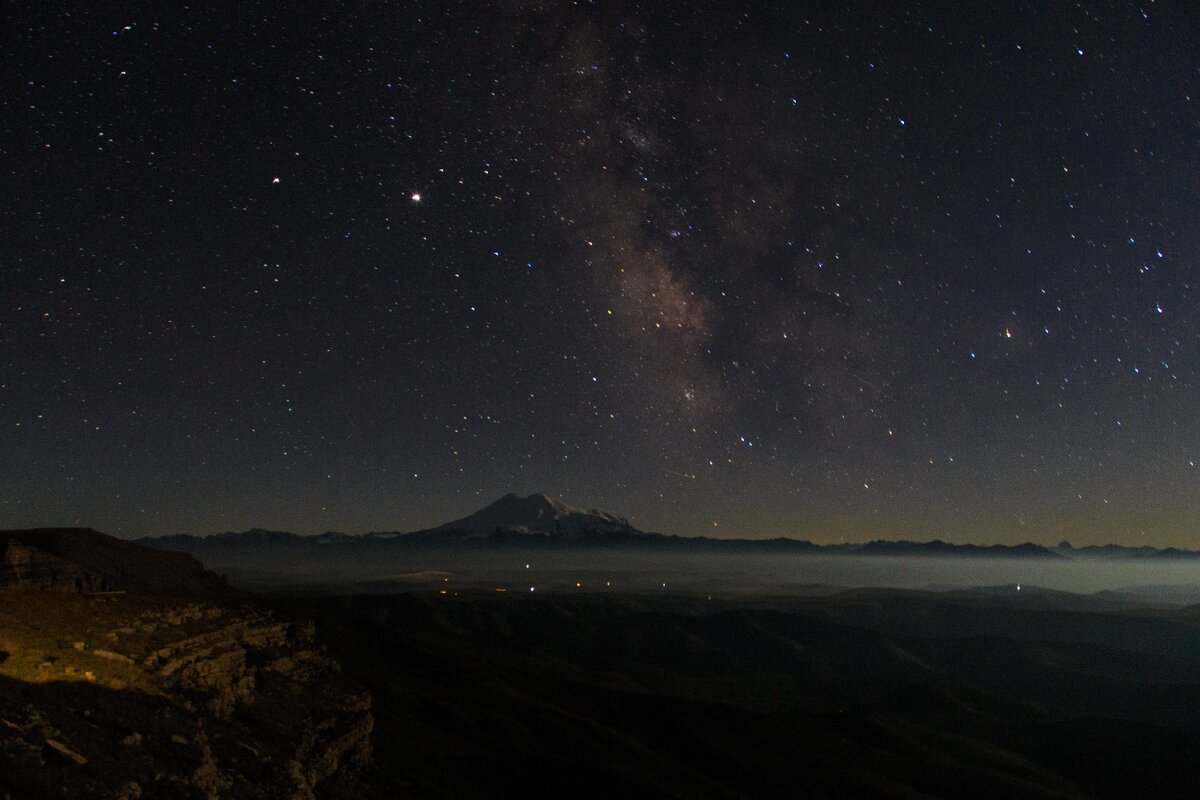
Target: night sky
[{"x": 735, "y": 269}]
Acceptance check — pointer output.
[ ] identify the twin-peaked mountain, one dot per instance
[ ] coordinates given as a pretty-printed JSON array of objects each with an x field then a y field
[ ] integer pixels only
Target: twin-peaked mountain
[{"x": 537, "y": 514}]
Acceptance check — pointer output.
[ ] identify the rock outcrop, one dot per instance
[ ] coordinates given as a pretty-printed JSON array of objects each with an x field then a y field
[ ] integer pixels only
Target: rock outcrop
[
  {"x": 215, "y": 665},
  {"x": 251, "y": 707},
  {"x": 145, "y": 695}
]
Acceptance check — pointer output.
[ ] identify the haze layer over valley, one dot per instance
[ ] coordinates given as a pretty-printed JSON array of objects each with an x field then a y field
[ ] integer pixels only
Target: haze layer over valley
[{"x": 540, "y": 543}]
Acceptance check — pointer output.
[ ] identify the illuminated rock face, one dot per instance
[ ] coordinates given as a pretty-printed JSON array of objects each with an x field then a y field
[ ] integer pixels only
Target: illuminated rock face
[
  {"x": 251, "y": 707},
  {"x": 166, "y": 687},
  {"x": 218, "y": 664}
]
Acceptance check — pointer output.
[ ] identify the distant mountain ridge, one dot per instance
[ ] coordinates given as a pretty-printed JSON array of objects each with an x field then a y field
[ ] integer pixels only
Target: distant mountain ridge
[
  {"x": 544, "y": 521},
  {"x": 937, "y": 547}
]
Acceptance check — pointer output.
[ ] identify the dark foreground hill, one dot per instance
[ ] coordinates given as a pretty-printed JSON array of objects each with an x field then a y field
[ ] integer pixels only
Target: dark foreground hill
[
  {"x": 84, "y": 560},
  {"x": 865, "y": 695}
]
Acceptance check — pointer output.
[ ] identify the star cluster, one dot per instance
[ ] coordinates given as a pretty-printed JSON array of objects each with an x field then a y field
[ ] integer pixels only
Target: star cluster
[{"x": 736, "y": 268}]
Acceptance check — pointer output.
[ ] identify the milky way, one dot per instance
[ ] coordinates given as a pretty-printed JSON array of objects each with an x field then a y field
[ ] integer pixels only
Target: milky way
[{"x": 734, "y": 269}]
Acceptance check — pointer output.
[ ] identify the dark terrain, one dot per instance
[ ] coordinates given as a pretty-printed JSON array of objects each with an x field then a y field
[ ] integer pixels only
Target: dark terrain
[
  {"x": 127, "y": 672},
  {"x": 861, "y": 694}
]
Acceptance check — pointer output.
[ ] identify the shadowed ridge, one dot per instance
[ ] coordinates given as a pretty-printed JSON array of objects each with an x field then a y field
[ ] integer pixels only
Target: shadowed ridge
[
  {"x": 255, "y": 537},
  {"x": 85, "y": 560},
  {"x": 937, "y": 547}
]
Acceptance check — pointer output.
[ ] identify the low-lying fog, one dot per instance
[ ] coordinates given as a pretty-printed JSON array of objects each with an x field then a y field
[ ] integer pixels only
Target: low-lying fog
[{"x": 1162, "y": 580}]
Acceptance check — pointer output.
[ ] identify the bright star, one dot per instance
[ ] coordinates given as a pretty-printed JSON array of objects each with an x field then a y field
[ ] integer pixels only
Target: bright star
[{"x": 416, "y": 197}]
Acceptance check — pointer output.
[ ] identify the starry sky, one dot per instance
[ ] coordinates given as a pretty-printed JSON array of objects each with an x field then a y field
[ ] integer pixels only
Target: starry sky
[{"x": 834, "y": 271}]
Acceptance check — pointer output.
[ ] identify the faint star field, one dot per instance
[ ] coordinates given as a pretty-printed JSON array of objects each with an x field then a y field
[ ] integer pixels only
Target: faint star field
[{"x": 838, "y": 273}]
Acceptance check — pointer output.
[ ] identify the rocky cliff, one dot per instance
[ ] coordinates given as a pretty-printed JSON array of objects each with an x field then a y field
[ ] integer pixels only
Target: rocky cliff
[{"x": 139, "y": 695}]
